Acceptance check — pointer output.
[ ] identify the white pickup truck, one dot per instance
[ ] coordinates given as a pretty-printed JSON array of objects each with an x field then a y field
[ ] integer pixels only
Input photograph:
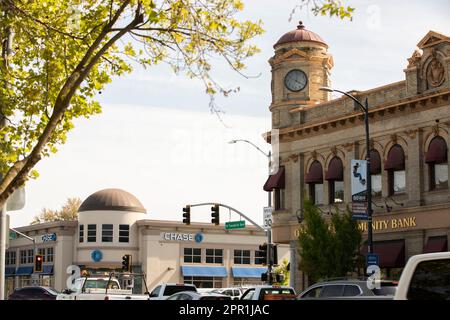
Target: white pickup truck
[
  {"x": 99, "y": 288},
  {"x": 165, "y": 290},
  {"x": 425, "y": 277},
  {"x": 267, "y": 292}
]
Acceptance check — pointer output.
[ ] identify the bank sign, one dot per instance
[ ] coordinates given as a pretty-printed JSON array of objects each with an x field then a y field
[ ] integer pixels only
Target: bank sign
[{"x": 183, "y": 237}]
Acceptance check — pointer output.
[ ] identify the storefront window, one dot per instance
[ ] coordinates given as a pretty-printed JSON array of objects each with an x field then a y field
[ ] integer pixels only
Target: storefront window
[
  {"x": 376, "y": 185},
  {"x": 399, "y": 182},
  {"x": 338, "y": 192},
  {"x": 204, "y": 282},
  {"x": 247, "y": 282},
  {"x": 440, "y": 176},
  {"x": 335, "y": 178},
  {"x": 10, "y": 258},
  {"x": 192, "y": 255},
  {"x": 214, "y": 255},
  {"x": 30, "y": 256},
  {"x": 241, "y": 256},
  {"x": 395, "y": 165}
]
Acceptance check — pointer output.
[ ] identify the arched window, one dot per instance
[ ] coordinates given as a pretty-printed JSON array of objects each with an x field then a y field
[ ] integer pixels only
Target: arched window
[
  {"x": 375, "y": 173},
  {"x": 436, "y": 159},
  {"x": 314, "y": 178},
  {"x": 395, "y": 165},
  {"x": 335, "y": 178}
]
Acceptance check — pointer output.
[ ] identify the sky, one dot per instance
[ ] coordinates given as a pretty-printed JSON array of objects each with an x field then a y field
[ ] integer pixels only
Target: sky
[{"x": 157, "y": 139}]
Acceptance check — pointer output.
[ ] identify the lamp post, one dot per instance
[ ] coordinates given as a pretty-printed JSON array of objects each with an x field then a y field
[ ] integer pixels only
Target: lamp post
[
  {"x": 269, "y": 201},
  {"x": 365, "y": 109}
]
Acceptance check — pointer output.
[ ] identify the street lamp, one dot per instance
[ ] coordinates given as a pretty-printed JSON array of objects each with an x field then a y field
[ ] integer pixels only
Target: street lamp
[
  {"x": 365, "y": 109},
  {"x": 269, "y": 201}
]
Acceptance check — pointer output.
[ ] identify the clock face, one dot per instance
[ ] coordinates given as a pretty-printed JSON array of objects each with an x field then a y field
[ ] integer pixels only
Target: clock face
[{"x": 296, "y": 80}]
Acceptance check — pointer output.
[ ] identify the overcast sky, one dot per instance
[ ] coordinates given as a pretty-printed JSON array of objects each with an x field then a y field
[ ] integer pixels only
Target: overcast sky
[{"x": 157, "y": 139}]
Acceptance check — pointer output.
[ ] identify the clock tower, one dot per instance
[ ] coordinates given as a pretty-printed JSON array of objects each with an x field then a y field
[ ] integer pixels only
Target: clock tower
[{"x": 300, "y": 66}]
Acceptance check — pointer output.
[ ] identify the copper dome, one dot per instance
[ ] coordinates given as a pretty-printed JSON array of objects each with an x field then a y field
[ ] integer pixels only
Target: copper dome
[
  {"x": 300, "y": 34},
  {"x": 112, "y": 199}
]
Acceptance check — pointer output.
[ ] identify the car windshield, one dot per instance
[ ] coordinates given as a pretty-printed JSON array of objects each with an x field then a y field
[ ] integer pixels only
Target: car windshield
[
  {"x": 170, "y": 290},
  {"x": 385, "y": 291},
  {"x": 96, "y": 284},
  {"x": 51, "y": 290}
]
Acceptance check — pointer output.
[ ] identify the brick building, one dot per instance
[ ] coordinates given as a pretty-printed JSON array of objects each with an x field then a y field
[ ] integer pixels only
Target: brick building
[{"x": 409, "y": 131}]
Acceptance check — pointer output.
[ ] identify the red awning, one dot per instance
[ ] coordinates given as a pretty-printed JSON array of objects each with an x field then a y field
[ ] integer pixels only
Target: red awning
[
  {"x": 375, "y": 162},
  {"x": 436, "y": 244},
  {"x": 395, "y": 159},
  {"x": 392, "y": 253},
  {"x": 335, "y": 170},
  {"x": 437, "y": 151},
  {"x": 315, "y": 174},
  {"x": 275, "y": 181}
]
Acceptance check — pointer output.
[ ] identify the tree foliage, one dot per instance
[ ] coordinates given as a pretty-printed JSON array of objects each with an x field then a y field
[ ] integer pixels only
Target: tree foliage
[
  {"x": 69, "y": 212},
  {"x": 64, "y": 52},
  {"x": 331, "y": 8},
  {"x": 328, "y": 248},
  {"x": 283, "y": 269}
]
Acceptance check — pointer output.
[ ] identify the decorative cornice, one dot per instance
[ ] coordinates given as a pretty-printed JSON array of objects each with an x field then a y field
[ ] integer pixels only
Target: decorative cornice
[
  {"x": 412, "y": 133},
  {"x": 348, "y": 146},
  {"x": 412, "y": 104}
]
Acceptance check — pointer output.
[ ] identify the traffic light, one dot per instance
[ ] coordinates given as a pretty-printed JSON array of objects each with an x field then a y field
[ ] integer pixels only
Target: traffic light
[
  {"x": 215, "y": 214},
  {"x": 263, "y": 253},
  {"x": 126, "y": 263},
  {"x": 274, "y": 254},
  {"x": 187, "y": 215},
  {"x": 38, "y": 263}
]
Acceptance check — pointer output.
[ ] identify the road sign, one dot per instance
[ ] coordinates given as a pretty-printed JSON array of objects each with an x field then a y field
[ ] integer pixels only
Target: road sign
[
  {"x": 235, "y": 225},
  {"x": 372, "y": 259},
  {"x": 268, "y": 217}
]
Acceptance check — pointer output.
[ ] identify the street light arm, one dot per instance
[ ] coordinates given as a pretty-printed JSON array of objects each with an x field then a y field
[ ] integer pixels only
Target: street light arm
[
  {"x": 353, "y": 98},
  {"x": 254, "y": 145}
]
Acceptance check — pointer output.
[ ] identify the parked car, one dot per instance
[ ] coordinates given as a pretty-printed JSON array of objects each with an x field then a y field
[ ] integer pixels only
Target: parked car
[
  {"x": 165, "y": 290},
  {"x": 268, "y": 292},
  {"x": 192, "y": 295},
  {"x": 33, "y": 293},
  {"x": 234, "y": 293},
  {"x": 425, "y": 277},
  {"x": 349, "y": 289}
]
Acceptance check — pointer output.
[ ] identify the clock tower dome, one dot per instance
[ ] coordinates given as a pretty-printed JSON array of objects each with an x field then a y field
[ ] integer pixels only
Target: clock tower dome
[{"x": 300, "y": 66}]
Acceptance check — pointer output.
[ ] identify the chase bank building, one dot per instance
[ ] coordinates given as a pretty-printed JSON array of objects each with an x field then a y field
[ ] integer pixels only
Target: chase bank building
[{"x": 113, "y": 223}]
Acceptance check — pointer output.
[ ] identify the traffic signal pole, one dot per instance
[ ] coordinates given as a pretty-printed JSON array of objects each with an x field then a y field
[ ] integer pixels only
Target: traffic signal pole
[{"x": 230, "y": 208}]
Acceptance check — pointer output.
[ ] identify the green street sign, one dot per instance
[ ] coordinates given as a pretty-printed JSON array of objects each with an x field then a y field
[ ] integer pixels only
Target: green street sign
[
  {"x": 235, "y": 225},
  {"x": 12, "y": 235}
]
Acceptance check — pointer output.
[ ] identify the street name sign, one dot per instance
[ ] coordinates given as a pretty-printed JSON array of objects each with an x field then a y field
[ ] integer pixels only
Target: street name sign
[{"x": 235, "y": 225}]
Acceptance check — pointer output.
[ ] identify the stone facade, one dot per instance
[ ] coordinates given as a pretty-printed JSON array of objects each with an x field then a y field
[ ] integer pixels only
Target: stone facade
[{"x": 409, "y": 113}]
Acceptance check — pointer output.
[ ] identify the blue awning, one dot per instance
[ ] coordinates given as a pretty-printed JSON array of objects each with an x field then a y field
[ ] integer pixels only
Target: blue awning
[
  {"x": 242, "y": 272},
  {"x": 201, "y": 271},
  {"x": 24, "y": 270},
  {"x": 9, "y": 271},
  {"x": 48, "y": 269}
]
